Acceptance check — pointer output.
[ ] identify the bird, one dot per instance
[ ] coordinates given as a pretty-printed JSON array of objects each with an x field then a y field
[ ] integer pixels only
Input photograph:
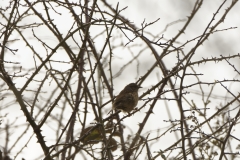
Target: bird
[{"x": 127, "y": 99}]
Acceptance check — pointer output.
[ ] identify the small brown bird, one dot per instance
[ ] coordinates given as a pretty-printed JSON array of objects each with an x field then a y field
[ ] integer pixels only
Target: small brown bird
[{"x": 127, "y": 99}]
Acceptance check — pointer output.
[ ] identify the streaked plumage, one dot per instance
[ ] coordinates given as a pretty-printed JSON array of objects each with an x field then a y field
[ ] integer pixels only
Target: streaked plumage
[{"x": 127, "y": 99}]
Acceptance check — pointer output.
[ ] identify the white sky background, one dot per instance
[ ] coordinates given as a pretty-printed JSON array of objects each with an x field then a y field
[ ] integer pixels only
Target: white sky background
[{"x": 222, "y": 43}]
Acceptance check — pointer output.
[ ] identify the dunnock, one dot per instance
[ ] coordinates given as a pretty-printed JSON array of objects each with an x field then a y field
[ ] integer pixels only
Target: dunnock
[{"x": 127, "y": 99}]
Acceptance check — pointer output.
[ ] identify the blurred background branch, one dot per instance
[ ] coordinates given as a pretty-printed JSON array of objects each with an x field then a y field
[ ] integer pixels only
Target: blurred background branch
[{"x": 63, "y": 63}]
